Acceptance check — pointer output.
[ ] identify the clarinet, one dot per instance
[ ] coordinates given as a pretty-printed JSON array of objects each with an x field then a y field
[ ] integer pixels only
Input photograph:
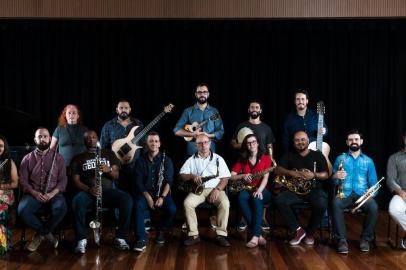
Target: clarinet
[
  {"x": 96, "y": 224},
  {"x": 161, "y": 175},
  {"x": 46, "y": 189}
]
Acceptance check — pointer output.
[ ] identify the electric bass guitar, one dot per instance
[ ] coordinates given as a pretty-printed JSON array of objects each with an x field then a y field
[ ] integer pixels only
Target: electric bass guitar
[
  {"x": 195, "y": 125},
  {"x": 319, "y": 145},
  {"x": 125, "y": 148}
]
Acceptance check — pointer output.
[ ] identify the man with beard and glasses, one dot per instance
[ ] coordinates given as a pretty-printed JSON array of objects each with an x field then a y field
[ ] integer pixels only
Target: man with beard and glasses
[
  {"x": 357, "y": 175},
  {"x": 198, "y": 113},
  {"x": 303, "y": 119},
  {"x": 305, "y": 165},
  {"x": 43, "y": 179},
  {"x": 265, "y": 140}
]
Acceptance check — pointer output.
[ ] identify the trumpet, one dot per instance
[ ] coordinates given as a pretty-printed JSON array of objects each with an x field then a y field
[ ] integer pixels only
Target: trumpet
[
  {"x": 340, "y": 193},
  {"x": 367, "y": 195}
]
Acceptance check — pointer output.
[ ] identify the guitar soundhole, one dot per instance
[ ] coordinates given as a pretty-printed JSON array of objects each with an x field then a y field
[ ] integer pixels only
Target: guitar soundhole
[{"x": 124, "y": 150}]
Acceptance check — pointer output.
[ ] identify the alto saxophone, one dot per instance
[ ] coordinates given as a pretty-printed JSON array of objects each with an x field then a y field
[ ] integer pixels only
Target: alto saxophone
[
  {"x": 239, "y": 184},
  {"x": 190, "y": 186},
  {"x": 96, "y": 224}
]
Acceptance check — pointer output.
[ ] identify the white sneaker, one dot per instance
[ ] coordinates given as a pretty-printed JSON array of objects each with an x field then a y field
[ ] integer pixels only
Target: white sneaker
[
  {"x": 51, "y": 238},
  {"x": 121, "y": 244},
  {"x": 81, "y": 247},
  {"x": 35, "y": 242}
]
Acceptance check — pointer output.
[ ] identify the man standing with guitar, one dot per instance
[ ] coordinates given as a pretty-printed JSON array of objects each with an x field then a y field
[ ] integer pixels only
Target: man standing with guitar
[
  {"x": 200, "y": 118},
  {"x": 304, "y": 119},
  {"x": 118, "y": 128}
]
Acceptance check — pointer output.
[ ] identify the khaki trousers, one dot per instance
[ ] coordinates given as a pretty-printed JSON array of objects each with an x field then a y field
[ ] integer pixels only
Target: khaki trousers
[{"x": 223, "y": 209}]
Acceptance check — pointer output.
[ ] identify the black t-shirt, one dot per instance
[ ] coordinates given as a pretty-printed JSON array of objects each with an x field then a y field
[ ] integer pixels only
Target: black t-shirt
[
  {"x": 293, "y": 160},
  {"x": 84, "y": 165},
  {"x": 261, "y": 130}
]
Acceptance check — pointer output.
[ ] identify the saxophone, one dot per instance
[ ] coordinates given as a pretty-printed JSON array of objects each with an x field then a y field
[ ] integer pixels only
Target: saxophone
[
  {"x": 190, "y": 186},
  {"x": 96, "y": 224},
  {"x": 239, "y": 184},
  {"x": 297, "y": 185}
]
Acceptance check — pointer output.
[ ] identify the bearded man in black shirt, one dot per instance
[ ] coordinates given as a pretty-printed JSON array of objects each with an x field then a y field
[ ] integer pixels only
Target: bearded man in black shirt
[{"x": 304, "y": 165}]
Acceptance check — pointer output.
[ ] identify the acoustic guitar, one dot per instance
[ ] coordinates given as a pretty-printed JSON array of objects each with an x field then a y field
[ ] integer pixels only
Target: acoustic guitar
[
  {"x": 126, "y": 148},
  {"x": 319, "y": 145},
  {"x": 195, "y": 125}
]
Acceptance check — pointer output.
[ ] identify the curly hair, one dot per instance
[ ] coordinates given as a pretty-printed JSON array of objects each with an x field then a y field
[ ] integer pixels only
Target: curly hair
[{"x": 62, "y": 122}]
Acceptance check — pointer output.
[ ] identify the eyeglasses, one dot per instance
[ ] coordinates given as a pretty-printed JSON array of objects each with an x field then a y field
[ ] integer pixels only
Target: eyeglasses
[
  {"x": 202, "y": 143},
  {"x": 202, "y": 92},
  {"x": 252, "y": 142}
]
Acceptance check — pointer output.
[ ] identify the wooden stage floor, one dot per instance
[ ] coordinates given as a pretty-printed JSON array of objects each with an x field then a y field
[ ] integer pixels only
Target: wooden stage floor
[{"x": 207, "y": 255}]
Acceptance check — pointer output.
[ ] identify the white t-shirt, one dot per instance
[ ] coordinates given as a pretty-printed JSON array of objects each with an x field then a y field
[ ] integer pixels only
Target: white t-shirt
[{"x": 206, "y": 167}]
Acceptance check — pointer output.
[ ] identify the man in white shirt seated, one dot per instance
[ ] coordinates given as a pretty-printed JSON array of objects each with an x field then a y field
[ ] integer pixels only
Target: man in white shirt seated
[{"x": 209, "y": 171}]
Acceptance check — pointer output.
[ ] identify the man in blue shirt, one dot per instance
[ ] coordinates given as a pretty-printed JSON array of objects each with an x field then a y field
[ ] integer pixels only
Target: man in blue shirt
[
  {"x": 304, "y": 119},
  {"x": 356, "y": 174},
  {"x": 153, "y": 180},
  {"x": 198, "y": 113}
]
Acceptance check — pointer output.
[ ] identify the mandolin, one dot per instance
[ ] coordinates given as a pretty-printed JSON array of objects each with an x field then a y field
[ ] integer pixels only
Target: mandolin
[{"x": 195, "y": 126}]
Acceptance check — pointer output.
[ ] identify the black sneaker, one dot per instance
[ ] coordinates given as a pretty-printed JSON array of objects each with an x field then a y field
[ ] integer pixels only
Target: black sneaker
[
  {"x": 191, "y": 240},
  {"x": 147, "y": 224},
  {"x": 222, "y": 241},
  {"x": 342, "y": 246},
  {"x": 364, "y": 245},
  {"x": 265, "y": 225},
  {"x": 140, "y": 246},
  {"x": 160, "y": 238}
]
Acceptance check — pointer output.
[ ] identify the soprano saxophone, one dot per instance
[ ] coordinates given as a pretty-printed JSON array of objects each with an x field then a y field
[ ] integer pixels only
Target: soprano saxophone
[{"x": 96, "y": 224}]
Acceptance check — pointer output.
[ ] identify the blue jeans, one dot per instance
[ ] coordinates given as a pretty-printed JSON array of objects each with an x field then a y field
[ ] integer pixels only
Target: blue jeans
[
  {"x": 29, "y": 206},
  {"x": 370, "y": 209},
  {"x": 141, "y": 207},
  {"x": 112, "y": 198},
  {"x": 318, "y": 199},
  {"x": 252, "y": 209}
]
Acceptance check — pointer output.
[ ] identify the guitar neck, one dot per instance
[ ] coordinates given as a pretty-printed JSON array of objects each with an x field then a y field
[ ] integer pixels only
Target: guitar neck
[
  {"x": 319, "y": 140},
  {"x": 147, "y": 128},
  {"x": 202, "y": 123}
]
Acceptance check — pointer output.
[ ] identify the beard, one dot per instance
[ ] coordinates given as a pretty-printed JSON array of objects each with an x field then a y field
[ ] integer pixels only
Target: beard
[
  {"x": 354, "y": 147},
  {"x": 201, "y": 100},
  {"x": 43, "y": 146},
  {"x": 254, "y": 115},
  {"x": 301, "y": 148},
  {"x": 123, "y": 116}
]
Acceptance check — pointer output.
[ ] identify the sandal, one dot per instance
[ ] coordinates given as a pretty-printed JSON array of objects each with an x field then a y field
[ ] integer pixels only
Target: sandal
[
  {"x": 251, "y": 244},
  {"x": 261, "y": 241}
]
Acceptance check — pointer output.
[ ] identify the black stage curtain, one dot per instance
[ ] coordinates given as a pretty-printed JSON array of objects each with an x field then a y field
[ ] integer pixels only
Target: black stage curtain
[{"x": 357, "y": 67}]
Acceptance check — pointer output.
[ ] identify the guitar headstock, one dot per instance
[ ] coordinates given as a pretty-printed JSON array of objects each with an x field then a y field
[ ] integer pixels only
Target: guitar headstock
[
  {"x": 214, "y": 117},
  {"x": 168, "y": 108},
  {"x": 321, "y": 109}
]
